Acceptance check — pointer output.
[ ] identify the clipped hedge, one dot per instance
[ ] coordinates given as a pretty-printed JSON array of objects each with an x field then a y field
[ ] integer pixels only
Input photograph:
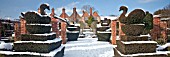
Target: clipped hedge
[
  {"x": 136, "y": 48},
  {"x": 116, "y": 54},
  {"x": 72, "y": 36},
  {"x": 32, "y": 17},
  {"x": 102, "y": 28},
  {"x": 107, "y": 21},
  {"x": 135, "y": 17},
  {"x": 132, "y": 30},
  {"x": 133, "y": 38},
  {"x": 36, "y": 47},
  {"x": 104, "y": 36},
  {"x": 38, "y": 29},
  {"x": 45, "y": 20},
  {"x": 27, "y": 37}
]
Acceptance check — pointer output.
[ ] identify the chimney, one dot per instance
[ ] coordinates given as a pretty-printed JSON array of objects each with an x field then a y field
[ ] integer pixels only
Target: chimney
[
  {"x": 52, "y": 10},
  {"x": 52, "y": 13},
  {"x": 74, "y": 10},
  {"x": 63, "y": 10},
  {"x": 90, "y": 10},
  {"x": 39, "y": 10}
]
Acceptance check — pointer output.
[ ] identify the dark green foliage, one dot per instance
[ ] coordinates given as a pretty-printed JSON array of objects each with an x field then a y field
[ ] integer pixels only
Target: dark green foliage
[
  {"x": 27, "y": 37},
  {"x": 132, "y": 30},
  {"x": 45, "y": 20},
  {"x": 108, "y": 21},
  {"x": 104, "y": 36},
  {"x": 38, "y": 29},
  {"x": 36, "y": 47},
  {"x": 133, "y": 38},
  {"x": 32, "y": 17},
  {"x": 90, "y": 20},
  {"x": 135, "y": 17},
  {"x": 148, "y": 21},
  {"x": 72, "y": 36},
  {"x": 102, "y": 28},
  {"x": 135, "y": 48}
]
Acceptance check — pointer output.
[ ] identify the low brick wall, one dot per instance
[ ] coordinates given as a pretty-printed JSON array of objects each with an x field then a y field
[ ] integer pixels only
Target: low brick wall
[
  {"x": 136, "y": 48},
  {"x": 133, "y": 38}
]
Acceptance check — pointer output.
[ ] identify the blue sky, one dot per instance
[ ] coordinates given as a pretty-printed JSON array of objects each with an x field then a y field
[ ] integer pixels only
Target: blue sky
[{"x": 13, "y": 8}]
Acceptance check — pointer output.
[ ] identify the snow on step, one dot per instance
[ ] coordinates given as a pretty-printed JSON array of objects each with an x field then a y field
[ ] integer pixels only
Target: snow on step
[{"x": 88, "y": 47}]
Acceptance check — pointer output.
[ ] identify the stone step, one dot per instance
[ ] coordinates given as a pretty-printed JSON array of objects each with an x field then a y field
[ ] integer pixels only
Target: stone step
[
  {"x": 133, "y": 47},
  {"x": 117, "y": 53}
]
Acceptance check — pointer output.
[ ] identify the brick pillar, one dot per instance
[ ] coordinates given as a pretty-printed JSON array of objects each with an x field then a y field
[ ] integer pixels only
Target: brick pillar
[
  {"x": 120, "y": 30},
  {"x": 63, "y": 32},
  {"x": 55, "y": 26},
  {"x": 113, "y": 26},
  {"x": 23, "y": 26},
  {"x": 17, "y": 31}
]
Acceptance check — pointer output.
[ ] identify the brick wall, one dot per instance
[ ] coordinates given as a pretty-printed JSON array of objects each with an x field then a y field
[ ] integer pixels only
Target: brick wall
[
  {"x": 23, "y": 27},
  {"x": 113, "y": 26},
  {"x": 17, "y": 30}
]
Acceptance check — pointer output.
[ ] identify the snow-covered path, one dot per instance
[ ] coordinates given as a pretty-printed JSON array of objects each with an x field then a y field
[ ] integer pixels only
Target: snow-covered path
[{"x": 88, "y": 47}]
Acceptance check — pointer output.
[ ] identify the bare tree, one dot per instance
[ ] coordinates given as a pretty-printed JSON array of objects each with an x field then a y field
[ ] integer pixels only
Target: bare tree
[
  {"x": 87, "y": 8},
  {"x": 164, "y": 12}
]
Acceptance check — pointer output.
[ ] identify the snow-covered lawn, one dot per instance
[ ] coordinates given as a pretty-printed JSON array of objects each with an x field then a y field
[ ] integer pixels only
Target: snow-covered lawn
[{"x": 88, "y": 47}]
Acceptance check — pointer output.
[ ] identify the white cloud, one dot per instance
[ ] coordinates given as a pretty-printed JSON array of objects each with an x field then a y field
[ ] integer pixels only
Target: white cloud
[
  {"x": 68, "y": 8},
  {"x": 146, "y": 1}
]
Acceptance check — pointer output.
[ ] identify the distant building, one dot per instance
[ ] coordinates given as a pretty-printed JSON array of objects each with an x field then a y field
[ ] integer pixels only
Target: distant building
[
  {"x": 160, "y": 28},
  {"x": 75, "y": 17}
]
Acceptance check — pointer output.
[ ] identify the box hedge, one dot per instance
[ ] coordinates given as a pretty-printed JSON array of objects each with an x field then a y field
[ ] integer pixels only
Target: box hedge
[
  {"x": 32, "y": 17},
  {"x": 135, "y": 17},
  {"x": 134, "y": 38},
  {"x": 27, "y": 37},
  {"x": 104, "y": 36},
  {"x": 38, "y": 29},
  {"x": 36, "y": 47},
  {"x": 136, "y": 48},
  {"x": 72, "y": 36},
  {"x": 102, "y": 28},
  {"x": 132, "y": 29}
]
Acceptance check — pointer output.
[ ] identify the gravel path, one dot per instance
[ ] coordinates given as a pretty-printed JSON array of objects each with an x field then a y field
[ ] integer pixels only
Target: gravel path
[{"x": 88, "y": 47}]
